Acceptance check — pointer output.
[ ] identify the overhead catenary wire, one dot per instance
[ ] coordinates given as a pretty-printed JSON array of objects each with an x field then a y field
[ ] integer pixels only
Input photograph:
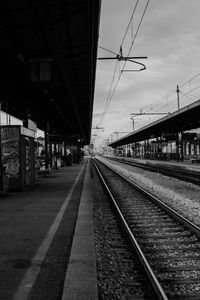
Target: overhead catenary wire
[
  {"x": 195, "y": 88},
  {"x": 126, "y": 31},
  {"x": 131, "y": 19},
  {"x": 188, "y": 81},
  {"x": 137, "y": 30},
  {"x": 169, "y": 96},
  {"x": 107, "y": 50},
  {"x": 110, "y": 95},
  {"x": 129, "y": 50},
  {"x": 107, "y": 100},
  {"x": 160, "y": 103},
  {"x": 189, "y": 95},
  {"x": 162, "y": 100}
]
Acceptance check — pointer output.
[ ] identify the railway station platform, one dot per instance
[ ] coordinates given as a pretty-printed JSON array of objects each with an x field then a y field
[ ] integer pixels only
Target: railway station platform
[{"x": 46, "y": 241}]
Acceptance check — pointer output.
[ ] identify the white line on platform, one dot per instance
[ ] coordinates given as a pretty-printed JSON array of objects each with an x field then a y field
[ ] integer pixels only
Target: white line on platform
[{"x": 30, "y": 276}]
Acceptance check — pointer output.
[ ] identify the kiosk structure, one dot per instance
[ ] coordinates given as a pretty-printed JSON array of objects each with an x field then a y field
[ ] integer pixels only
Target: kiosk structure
[{"x": 18, "y": 155}]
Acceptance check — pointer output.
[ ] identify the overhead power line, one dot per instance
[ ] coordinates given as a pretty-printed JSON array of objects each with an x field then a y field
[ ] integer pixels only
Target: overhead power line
[
  {"x": 107, "y": 50},
  {"x": 129, "y": 50},
  {"x": 163, "y": 99},
  {"x": 107, "y": 100},
  {"x": 131, "y": 19},
  {"x": 110, "y": 95},
  {"x": 136, "y": 33}
]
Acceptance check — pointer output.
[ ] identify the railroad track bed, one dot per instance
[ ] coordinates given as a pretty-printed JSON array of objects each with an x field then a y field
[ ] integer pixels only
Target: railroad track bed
[
  {"x": 189, "y": 175},
  {"x": 172, "y": 250},
  {"x": 179, "y": 195},
  {"x": 119, "y": 273}
]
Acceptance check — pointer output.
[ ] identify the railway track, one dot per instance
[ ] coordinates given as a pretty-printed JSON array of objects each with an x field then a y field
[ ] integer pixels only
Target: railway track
[
  {"x": 175, "y": 171},
  {"x": 168, "y": 245},
  {"x": 120, "y": 275}
]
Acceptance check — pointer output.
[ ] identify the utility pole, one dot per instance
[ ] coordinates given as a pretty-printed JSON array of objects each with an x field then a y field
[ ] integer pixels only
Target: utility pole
[
  {"x": 178, "y": 91},
  {"x": 117, "y": 133},
  {"x": 179, "y": 142},
  {"x": 133, "y": 123},
  {"x": 142, "y": 113}
]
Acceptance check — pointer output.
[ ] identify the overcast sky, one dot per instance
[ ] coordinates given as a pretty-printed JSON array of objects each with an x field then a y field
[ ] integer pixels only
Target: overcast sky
[{"x": 169, "y": 36}]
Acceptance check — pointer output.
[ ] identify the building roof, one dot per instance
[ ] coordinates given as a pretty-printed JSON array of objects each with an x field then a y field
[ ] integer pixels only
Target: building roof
[
  {"x": 186, "y": 118},
  {"x": 48, "y": 51}
]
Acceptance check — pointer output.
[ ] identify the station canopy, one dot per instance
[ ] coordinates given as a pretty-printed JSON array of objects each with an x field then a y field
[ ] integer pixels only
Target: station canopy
[
  {"x": 184, "y": 119},
  {"x": 48, "y": 52}
]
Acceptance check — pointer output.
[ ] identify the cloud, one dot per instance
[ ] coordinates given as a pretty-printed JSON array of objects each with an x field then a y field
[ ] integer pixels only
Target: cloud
[{"x": 169, "y": 36}]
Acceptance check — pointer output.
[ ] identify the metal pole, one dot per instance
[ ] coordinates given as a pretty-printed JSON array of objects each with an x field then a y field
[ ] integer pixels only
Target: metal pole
[
  {"x": 178, "y": 91},
  {"x": 46, "y": 141},
  {"x": 179, "y": 135}
]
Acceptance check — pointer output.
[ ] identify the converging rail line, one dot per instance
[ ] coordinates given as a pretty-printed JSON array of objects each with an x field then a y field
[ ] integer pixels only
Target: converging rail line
[
  {"x": 167, "y": 243},
  {"x": 189, "y": 175}
]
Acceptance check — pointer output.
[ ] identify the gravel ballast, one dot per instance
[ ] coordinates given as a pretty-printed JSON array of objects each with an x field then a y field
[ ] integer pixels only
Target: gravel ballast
[
  {"x": 179, "y": 195},
  {"x": 119, "y": 273}
]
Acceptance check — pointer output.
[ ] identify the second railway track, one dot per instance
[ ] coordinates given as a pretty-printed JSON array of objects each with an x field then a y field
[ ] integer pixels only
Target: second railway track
[
  {"x": 189, "y": 174},
  {"x": 170, "y": 243}
]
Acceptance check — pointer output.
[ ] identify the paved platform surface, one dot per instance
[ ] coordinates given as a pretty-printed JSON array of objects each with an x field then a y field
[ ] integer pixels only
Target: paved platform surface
[
  {"x": 40, "y": 234},
  {"x": 81, "y": 278}
]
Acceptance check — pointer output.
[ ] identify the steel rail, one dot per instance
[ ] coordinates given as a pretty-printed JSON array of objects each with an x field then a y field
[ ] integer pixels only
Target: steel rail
[
  {"x": 176, "y": 172},
  {"x": 154, "y": 281},
  {"x": 192, "y": 227}
]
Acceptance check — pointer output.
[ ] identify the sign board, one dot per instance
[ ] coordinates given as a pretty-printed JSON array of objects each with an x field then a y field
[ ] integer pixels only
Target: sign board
[
  {"x": 30, "y": 124},
  {"x": 27, "y": 132}
]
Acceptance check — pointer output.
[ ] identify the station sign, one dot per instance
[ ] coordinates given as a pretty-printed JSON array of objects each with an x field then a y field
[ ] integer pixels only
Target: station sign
[
  {"x": 27, "y": 132},
  {"x": 30, "y": 124}
]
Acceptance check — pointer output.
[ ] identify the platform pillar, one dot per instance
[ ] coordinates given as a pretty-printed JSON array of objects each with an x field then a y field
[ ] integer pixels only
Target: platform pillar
[
  {"x": 46, "y": 141},
  {"x": 179, "y": 146}
]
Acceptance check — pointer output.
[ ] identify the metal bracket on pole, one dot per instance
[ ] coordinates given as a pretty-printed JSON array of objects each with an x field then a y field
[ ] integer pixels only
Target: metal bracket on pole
[{"x": 120, "y": 57}]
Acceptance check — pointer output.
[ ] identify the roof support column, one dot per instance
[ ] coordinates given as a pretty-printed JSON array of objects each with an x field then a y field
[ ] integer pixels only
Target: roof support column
[
  {"x": 179, "y": 146},
  {"x": 46, "y": 146}
]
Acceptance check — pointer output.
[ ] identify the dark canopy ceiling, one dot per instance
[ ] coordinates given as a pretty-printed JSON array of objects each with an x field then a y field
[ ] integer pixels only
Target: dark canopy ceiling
[
  {"x": 48, "y": 54},
  {"x": 184, "y": 119}
]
